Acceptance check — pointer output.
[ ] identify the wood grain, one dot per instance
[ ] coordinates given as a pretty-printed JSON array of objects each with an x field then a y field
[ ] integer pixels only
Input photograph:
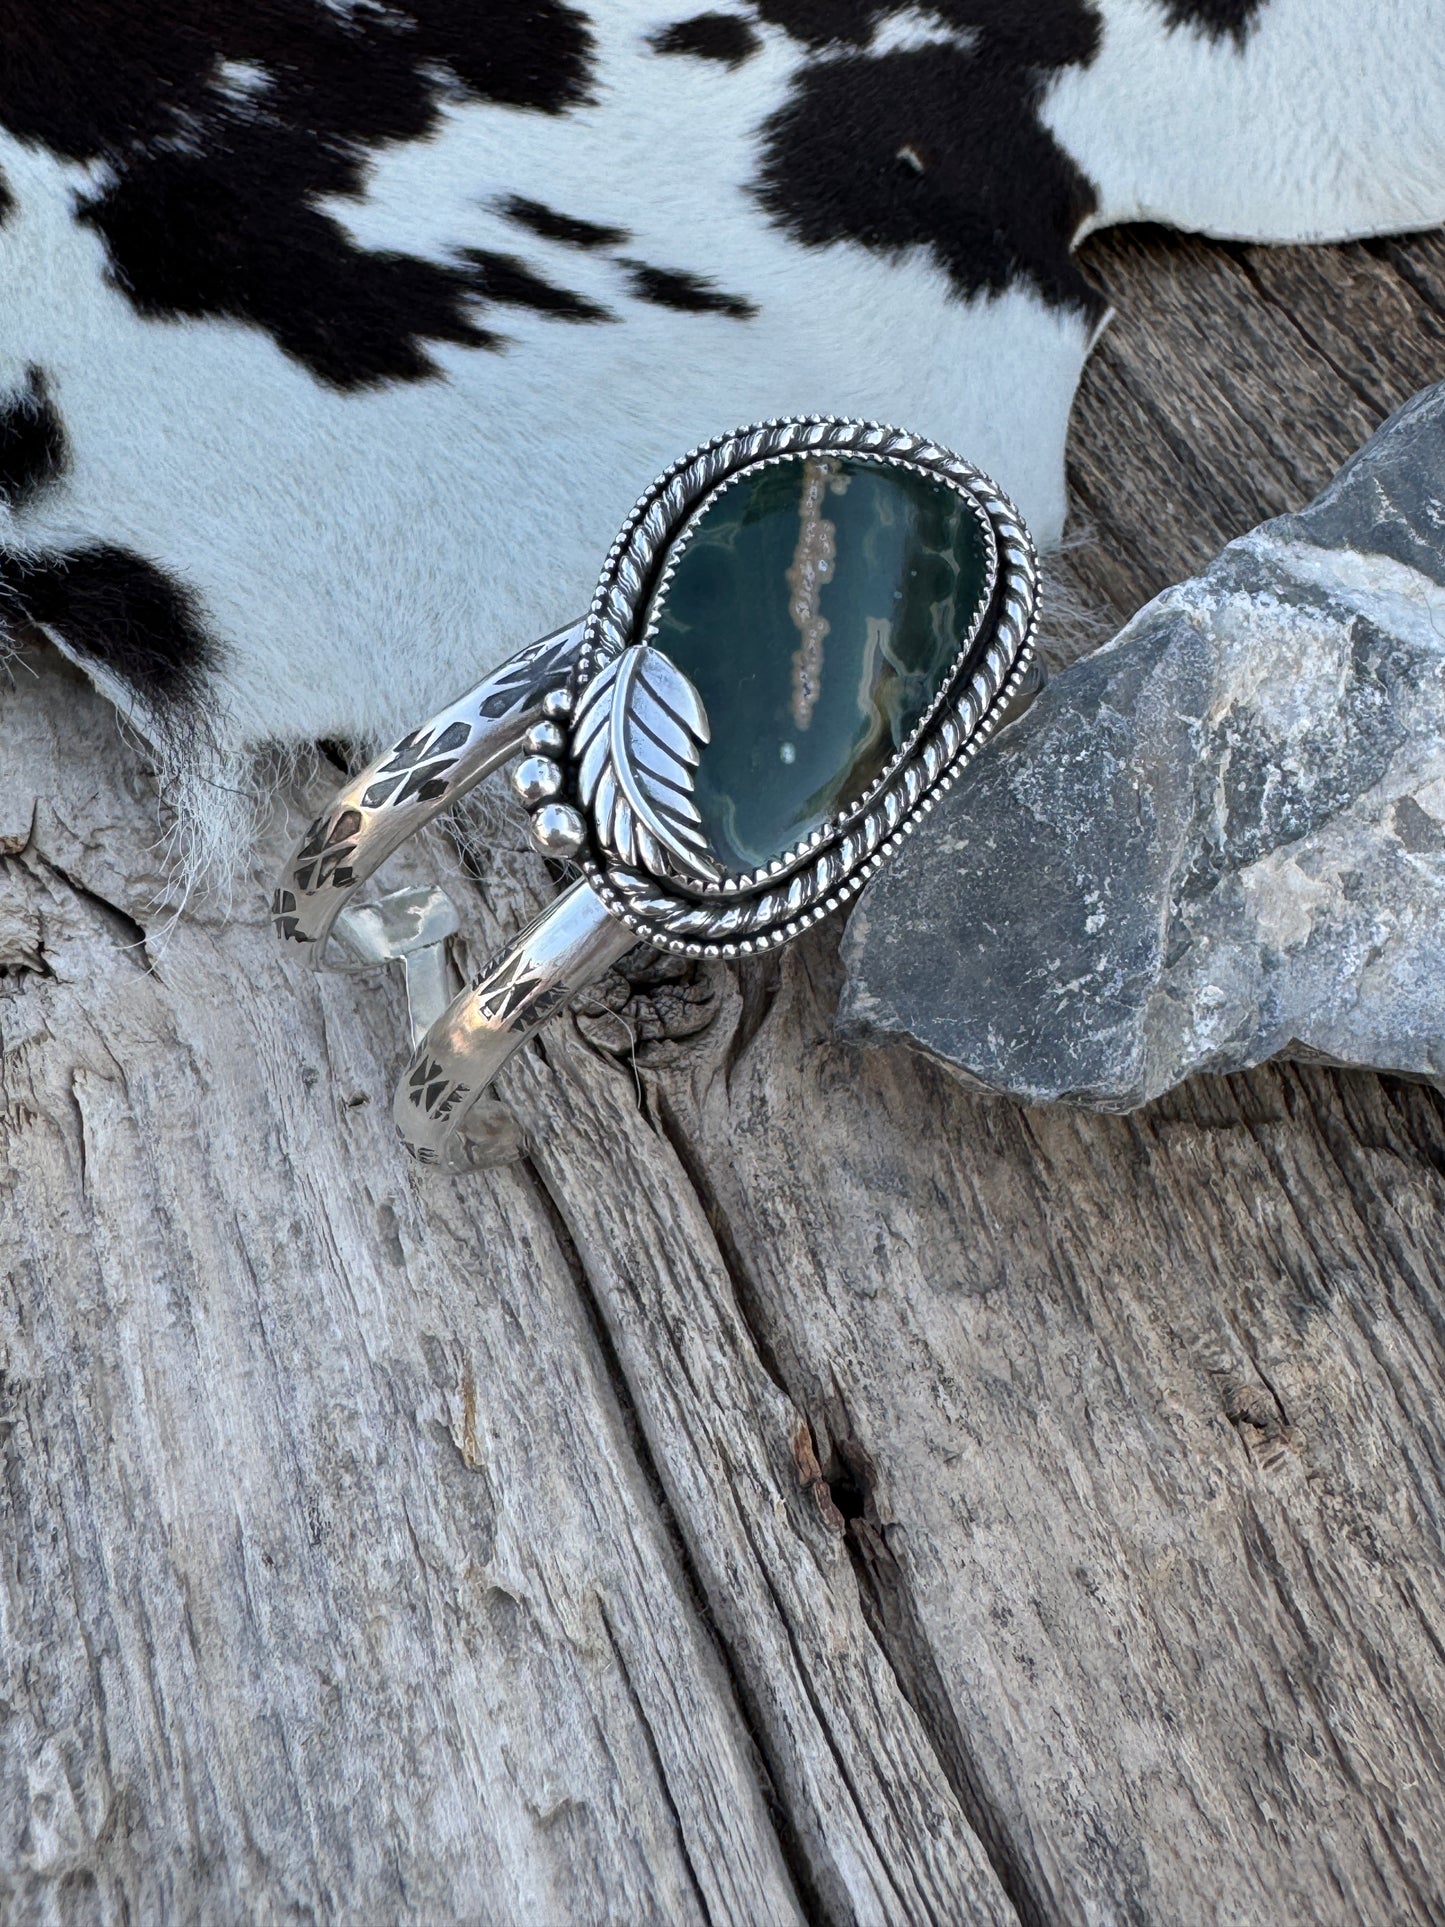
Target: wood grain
[
  {"x": 799, "y": 1490},
  {"x": 333, "y": 1586},
  {"x": 1229, "y": 385}
]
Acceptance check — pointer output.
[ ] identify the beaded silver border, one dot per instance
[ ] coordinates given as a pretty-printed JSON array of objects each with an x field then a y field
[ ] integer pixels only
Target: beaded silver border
[{"x": 745, "y": 915}]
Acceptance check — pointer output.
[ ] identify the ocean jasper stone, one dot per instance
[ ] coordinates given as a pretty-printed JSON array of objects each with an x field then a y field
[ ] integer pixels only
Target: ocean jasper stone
[{"x": 817, "y": 606}]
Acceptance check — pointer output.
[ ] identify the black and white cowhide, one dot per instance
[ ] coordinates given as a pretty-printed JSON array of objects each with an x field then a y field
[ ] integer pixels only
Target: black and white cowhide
[{"x": 337, "y": 336}]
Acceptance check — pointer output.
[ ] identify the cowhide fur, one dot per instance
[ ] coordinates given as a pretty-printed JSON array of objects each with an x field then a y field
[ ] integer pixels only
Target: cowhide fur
[{"x": 337, "y": 336}]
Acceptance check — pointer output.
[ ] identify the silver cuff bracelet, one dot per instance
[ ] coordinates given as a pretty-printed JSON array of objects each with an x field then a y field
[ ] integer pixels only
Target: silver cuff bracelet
[{"x": 802, "y": 633}]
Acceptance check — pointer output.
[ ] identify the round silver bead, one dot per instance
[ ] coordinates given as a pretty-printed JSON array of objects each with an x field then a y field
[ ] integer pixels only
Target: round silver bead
[
  {"x": 557, "y": 830},
  {"x": 545, "y": 739},
  {"x": 557, "y": 704},
  {"x": 536, "y": 779}
]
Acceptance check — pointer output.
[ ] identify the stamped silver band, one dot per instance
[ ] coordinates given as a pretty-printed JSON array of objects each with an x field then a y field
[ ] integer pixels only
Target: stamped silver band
[
  {"x": 392, "y": 798},
  {"x": 572, "y": 942}
]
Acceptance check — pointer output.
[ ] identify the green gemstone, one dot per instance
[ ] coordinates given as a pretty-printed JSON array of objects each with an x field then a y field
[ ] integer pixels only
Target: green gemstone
[{"x": 817, "y": 607}]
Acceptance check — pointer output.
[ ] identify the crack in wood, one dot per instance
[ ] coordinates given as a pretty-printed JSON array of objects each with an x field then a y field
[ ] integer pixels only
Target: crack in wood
[{"x": 625, "y": 1396}]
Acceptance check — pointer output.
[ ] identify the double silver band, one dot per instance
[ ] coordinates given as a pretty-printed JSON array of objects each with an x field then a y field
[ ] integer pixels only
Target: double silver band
[
  {"x": 461, "y": 1039},
  {"x": 402, "y": 791}
]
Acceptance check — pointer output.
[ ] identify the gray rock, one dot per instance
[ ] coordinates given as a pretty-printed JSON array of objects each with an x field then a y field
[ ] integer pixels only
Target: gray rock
[{"x": 1220, "y": 837}]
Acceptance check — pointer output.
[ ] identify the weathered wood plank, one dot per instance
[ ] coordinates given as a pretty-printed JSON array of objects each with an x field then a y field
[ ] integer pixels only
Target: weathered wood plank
[
  {"x": 884, "y": 1834},
  {"x": 332, "y": 1585},
  {"x": 1139, "y": 1423},
  {"x": 1228, "y": 387}
]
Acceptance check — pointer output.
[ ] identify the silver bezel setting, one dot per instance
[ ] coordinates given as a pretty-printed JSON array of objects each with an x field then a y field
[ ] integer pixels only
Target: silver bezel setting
[{"x": 742, "y": 915}]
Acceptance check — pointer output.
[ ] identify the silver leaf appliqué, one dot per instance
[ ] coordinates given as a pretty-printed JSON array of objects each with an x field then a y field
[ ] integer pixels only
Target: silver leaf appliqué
[{"x": 636, "y": 738}]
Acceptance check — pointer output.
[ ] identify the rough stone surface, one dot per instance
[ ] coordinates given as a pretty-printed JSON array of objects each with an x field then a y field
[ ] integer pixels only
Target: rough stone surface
[{"x": 1220, "y": 838}]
